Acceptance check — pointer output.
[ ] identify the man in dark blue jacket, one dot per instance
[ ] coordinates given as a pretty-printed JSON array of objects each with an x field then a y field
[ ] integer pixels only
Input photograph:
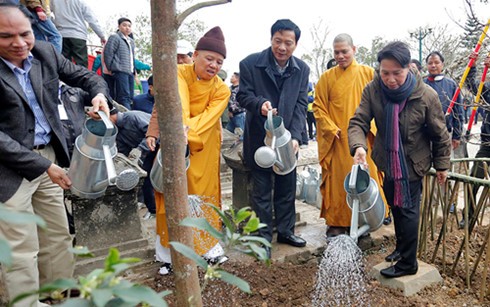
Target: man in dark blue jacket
[{"x": 274, "y": 80}]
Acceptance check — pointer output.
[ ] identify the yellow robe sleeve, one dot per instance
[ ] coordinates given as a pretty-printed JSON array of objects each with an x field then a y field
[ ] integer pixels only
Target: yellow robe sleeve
[{"x": 326, "y": 127}]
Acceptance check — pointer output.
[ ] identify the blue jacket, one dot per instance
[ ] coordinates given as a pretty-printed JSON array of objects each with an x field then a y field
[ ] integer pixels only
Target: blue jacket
[
  {"x": 260, "y": 82},
  {"x": 132, "y": 126},
  {"x": 143, "y": 102},
  {"x": 445, "y": 88}
]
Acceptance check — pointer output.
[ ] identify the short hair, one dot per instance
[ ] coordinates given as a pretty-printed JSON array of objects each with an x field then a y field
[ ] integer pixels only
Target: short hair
[
  {"x": 288, "y": 25},
  {"x": 434, "y": 53},
  {"x": 150, "y": 80},
  {"x": 237, "y": 74},
  {"x": 123, "y": 19},
  {"x": 397, "y": 51},
  {"x": 417, "y": 63},
  {"x": 344, "y": 37},
  {"x": 331, "y": 63},
  {"x": 4, "y": 4}
]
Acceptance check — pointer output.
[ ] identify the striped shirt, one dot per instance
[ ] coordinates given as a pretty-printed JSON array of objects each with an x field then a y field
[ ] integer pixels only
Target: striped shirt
[{"x": 42, "y": 128}]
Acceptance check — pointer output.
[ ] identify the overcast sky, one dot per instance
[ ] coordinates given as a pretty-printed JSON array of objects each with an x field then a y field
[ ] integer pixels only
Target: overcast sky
[{"x": 246, "y": 23}]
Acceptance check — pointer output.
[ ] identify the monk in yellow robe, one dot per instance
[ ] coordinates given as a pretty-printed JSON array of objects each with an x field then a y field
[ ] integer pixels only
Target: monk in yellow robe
[
  {"x": 338, "y": 94},
  {"x": 204, "y": 97}
]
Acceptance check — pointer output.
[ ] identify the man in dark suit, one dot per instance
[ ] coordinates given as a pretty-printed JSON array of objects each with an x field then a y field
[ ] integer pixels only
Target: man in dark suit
[
  {"x": 274, "y": 80},
  {"x": 33, "y": 151}
]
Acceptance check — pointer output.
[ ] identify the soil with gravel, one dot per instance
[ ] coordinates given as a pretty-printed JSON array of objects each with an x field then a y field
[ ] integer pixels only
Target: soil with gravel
[{"x": 286, "y": 284}]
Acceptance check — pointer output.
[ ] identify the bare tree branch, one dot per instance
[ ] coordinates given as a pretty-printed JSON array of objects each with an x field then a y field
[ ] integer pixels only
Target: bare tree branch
[{"x": 182, "y": 16}]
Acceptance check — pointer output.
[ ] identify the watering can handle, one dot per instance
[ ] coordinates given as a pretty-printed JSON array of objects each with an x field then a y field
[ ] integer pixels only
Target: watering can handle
[
  {"x": 271, "y": 127},
  {"x": 353, "y": 178},
  {"x": 107, "y": 122}
]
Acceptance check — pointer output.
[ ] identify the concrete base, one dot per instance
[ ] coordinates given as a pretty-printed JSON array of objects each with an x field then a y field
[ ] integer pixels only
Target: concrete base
[{"x": 411, "y": 284}]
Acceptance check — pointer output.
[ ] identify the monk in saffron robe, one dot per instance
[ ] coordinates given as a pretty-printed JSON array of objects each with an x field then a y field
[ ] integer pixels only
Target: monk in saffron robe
[
  {"x": 338, "y": 94},
  {"x": 204, "y": 97}
]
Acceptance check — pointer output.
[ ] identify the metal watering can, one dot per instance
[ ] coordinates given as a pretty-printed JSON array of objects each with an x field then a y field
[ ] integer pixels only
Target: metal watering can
[
  {"x": 156, "y": 176},
  {"x": 92, "y": 169},
  {"x": 365, "y": 201},
  {"x": 279, "y": 152}
]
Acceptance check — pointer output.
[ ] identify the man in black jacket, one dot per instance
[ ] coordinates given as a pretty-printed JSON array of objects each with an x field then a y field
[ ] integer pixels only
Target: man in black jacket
[
  {"x": 274, "y": 80},
  {"x": 33, "y": 151}
]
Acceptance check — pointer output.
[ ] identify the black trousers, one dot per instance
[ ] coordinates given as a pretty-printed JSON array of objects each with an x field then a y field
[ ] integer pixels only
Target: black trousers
[
  {"x": 310, "y": 118},
  {"x": 76, "y": 49},
  {"x": 272, "y": 192},
  {"x": 406, "y": 222}
]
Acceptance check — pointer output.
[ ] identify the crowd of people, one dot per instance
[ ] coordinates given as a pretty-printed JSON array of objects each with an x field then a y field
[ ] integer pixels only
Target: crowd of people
[{"x": 391, "y": 120}]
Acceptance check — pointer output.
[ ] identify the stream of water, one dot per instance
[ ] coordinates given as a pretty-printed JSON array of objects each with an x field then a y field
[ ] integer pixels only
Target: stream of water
[{"x": 341, "y": 279}]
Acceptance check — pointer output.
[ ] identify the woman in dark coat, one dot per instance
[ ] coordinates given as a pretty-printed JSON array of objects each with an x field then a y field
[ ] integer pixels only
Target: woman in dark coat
[{"x": 412, "y": 136}]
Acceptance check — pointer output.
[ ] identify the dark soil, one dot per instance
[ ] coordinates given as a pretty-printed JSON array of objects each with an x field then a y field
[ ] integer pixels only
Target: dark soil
[{"x": 286, "y": 284}]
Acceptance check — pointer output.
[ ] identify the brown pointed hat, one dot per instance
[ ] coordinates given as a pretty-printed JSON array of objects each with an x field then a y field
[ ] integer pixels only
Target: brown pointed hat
[{"x": 213, "y": 40}]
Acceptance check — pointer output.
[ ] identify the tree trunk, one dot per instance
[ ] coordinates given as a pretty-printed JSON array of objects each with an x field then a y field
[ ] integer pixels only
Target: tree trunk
[
  {"x": 167, "y": 102},
  {"x": 165, "y": 25}
]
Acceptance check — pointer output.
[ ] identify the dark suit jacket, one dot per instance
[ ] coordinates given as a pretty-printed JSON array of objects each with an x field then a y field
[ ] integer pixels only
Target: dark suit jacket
[
  {"x": 17, "y": 160},
  {"x": 259, "y": 84}
]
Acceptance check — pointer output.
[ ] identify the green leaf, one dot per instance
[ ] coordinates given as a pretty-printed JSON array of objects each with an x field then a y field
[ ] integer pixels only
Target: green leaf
[
  {"x": 59, "y": 284},
  {"x": 256, "y": 239},
  {"x": 119, "y": 267},
  {"x": 236, "y": 281},
  {"x": 5, "y": 253},
  {"x": 260, "y": 251},
  {"x": 111, "y": 259},
  {"x": 138, "y": 294},
  {"x": 252, "y": 225},
  {"x": 81, "y": 251},
  {"x": 242, "y": 215},
  {"x": 224, "y": 218},
  {"x": 203, "y": 224},
  {"x": 189, "y": 253},
  {"x": 100, "y": 297},
  {"x": 14, "y": 217},
  {"x": 20, "y": 297}
]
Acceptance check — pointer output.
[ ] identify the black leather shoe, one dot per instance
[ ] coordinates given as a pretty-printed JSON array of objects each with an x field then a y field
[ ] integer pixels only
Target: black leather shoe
[
  {"x": 393, "y": 272},
  {"x": 291, "y": 240},
  {"x": 395, "y": 256}
]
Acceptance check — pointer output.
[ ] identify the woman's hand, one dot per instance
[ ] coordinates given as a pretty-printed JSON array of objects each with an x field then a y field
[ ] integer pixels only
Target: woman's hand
[{"x": 360, "y": 157}]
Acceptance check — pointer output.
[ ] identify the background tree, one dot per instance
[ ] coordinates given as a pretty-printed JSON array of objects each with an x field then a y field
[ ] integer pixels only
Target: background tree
[
  {"x": 369, "y": 56},
  {"x": 319, "y": 55}
]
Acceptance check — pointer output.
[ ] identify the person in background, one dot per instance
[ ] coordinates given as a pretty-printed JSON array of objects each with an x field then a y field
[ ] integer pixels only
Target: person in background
[
  {"x": 478, "y": 169},
  {"x": 445, "y": 88},
  {"x": 43, "y": 27},
  {"x": 184, "y": 52},
  {"x": 119, "y": 61},
  {"x": 235, "y": 112},
  {"x": 337, "y": 95},
  {"x": 131, "y": 131},
  {"x": 274, "y": 80},
  {"x": 144, "y": 102},
  {"x": 70, "y": 19},
  {"x": 412, "y": 137},
  {"x": 225, "y": 119},
  {"x": 33, "y": 152},
  {"x": 416, "y": 64},
  {"x": 204, "y": 97},
  {"x": 310, "y": 117}
]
